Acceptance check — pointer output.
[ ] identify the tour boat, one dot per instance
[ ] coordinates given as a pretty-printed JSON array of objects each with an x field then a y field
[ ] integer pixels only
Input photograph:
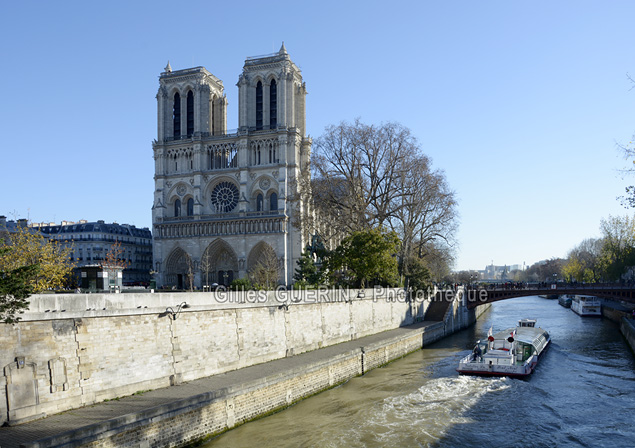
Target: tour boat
[
  {"x": 586, "y": 306},
  {"x": 513, "y": 352},
  {"x": 565, "y": 301}
]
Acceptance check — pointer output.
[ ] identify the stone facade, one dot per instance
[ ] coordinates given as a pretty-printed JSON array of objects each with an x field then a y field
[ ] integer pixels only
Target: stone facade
[
  {"x": 226, "y": 201},
  {"x": 91, "y": 241}
]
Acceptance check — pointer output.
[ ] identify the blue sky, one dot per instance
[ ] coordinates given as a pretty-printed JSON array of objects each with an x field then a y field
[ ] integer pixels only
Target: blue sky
[{"x": 520, "y": 103}]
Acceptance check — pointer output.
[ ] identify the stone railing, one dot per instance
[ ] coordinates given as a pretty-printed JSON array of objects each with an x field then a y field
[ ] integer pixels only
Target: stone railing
[{"x": 237, "y": 226}]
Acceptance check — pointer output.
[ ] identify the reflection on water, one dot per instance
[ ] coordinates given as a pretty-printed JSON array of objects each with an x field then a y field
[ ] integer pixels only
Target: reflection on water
[{"x": 581, "y": 394}]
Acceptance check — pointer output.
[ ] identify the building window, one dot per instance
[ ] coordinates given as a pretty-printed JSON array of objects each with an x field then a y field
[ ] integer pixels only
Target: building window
[
  {"x": 176, "y": 115},
  {"x": 273, "y": 202},
  {"x": 259, "y": 203},
  {"x": 190, "y": 113},
  {"x": 273, "y": 105},
  {"x": 177, "y": 207},
  {"x": 259, "y": 106},
  {"x": 190, "y": 207},
  {"x": 223, "y": 156}
]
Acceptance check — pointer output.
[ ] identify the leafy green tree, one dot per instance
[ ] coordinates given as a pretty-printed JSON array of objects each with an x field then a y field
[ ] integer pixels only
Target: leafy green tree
[
  {"x": 417, "y": 274},
  {"x": 307, "y": 272},
  {"x": 240, "y": 284},
  {"x": 367, "y": 258},
  {"x": 15, "y": 287}
]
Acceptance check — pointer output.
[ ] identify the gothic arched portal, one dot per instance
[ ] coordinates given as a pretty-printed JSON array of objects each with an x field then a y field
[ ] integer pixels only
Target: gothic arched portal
[
  {"x": 219, "y": 264},
  {"x": 178, "y": 269}
]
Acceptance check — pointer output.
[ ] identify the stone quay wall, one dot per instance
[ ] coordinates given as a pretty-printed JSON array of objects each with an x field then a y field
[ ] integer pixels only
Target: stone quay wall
[
  {"x": 79, "y": 349},
  {"x": 191, "y": 420},
  {"x": 627, "y": 327}
]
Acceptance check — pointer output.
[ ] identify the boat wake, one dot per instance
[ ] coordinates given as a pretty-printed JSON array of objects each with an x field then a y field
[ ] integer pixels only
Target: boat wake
[{"x": 423, "y": 417}]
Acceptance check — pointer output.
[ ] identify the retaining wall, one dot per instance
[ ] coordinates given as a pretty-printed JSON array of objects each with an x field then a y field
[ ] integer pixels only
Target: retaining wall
[
  {"x": 186, "y": 421},
  {"x": 78, "y": 349},
  {"x": 627, "y": 327}
]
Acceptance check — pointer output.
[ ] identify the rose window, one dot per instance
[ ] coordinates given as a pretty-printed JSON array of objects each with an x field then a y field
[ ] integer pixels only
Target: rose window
[{"x": 224, "y": 197}]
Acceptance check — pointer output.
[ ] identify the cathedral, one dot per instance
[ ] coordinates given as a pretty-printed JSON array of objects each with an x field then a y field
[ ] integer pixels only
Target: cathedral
[{"x": 227, "y": 202}]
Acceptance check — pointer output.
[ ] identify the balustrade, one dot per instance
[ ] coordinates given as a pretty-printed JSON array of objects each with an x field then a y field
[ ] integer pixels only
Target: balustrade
[{"x": 251, "y": 225}]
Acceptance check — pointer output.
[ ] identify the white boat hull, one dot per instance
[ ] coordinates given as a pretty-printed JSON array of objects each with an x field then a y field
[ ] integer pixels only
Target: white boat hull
[
  {"x": 467, "y": 367},
  {"x": 586, "y": 306}
]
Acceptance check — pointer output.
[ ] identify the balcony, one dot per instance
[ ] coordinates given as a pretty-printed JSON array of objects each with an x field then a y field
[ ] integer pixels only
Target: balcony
[
  {"x": 198, "y": 136},
  {"x": 220, "y": 216},
  {"x": 226, "y": 224}
]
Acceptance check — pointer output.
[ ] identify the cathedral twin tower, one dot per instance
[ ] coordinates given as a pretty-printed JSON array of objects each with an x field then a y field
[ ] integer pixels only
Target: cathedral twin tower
[{"x": 225, "y": 203}]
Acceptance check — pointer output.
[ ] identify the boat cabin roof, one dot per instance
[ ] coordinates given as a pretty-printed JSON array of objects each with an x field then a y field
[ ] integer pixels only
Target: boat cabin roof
[{"x": 527, "y": 323}]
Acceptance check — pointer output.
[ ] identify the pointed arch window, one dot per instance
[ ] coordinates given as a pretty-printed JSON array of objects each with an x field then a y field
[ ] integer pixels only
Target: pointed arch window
[
  {"x": 176, "y": 115},
  {"x": 259, "y": 106},
  {"x": 211, "y": 115},
  {"x": 177, "y": 208},
  {"x": 190, "y": 113},
  {"x": 190, "y": 207},
  {"x": 273, "y": 202},
  {"x": 273, "y": 105},
  {"x": 259, "y": 201}
]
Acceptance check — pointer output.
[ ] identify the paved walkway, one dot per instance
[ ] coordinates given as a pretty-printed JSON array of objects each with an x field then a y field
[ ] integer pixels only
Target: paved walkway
[{"x": 12, "y": 437}]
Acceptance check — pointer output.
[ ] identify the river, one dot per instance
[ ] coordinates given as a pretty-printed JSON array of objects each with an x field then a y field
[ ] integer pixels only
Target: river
[{"x": 582, "y": 394}]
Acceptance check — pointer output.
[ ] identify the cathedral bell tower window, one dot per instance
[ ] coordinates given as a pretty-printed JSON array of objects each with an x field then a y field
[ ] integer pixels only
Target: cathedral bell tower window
[
  {"x": 176, "y": 115},
  {"x": 273, "y": 105},
  {"x": 190, "y": 113},
  {"x": 259, "y": 106},
  {"x": 190, "y": 207},
  {"x": 177, "y": 208}
]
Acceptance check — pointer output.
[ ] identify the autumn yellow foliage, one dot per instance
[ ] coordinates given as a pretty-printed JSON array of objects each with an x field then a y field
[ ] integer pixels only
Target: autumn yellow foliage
[{"x": 29, "y": 247}]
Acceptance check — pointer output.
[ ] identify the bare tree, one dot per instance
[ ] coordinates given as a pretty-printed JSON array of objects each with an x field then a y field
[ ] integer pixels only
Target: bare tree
[
  {"x": 427, "y": 214},
  {"x": 115, "y": 260},
  {"x": 266, "y": 272},
  {"x": 357, "y": 167},
  {"x": 367, "y": 176},
  {"x": 206, "y": 267}
]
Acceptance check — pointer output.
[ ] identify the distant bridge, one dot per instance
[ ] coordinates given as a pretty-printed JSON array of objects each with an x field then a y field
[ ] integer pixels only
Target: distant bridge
[{"x": 481, "y": 296}]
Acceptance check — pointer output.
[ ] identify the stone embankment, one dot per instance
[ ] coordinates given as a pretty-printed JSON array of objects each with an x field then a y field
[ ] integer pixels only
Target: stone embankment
[
  {"x": 627, "y": 327},
  {"x": 80, "y": 350}
]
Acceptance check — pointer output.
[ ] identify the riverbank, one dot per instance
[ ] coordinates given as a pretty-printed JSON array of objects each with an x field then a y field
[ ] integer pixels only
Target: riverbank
[
  {"x": 621, "y": 315},
  {"x": 627, "y": 327},
  {"x": 197, "y": 410}
]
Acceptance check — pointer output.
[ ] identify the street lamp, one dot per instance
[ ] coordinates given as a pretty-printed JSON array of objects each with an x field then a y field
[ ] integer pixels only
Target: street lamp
[{"x": 169, "y": 311}]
